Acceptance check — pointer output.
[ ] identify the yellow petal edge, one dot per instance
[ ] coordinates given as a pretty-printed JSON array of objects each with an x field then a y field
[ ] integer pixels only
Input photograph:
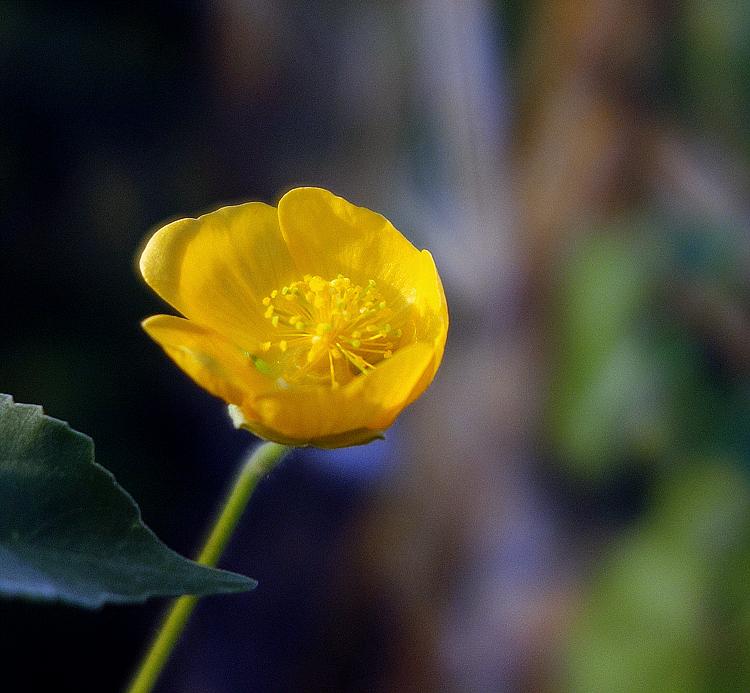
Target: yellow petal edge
[{"x": 317, "y": 322}]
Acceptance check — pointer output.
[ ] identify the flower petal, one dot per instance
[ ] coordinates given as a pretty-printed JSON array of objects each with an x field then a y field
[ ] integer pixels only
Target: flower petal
[
  {"x": 428, "y": 301},
  {"x": 327, "y": 235},
  {"x": 395, "y": 383},
  {"x": 368, "y": 403},
  {"x": 208, "y": 358},
  {"x": 217, "y": 268}
]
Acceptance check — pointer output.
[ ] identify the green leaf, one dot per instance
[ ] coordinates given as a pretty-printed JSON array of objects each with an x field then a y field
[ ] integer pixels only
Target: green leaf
[
  {"x": 606, "y": 403},
  {"x": 662, "y": 613},
  {"x": 70, "y": 533}
]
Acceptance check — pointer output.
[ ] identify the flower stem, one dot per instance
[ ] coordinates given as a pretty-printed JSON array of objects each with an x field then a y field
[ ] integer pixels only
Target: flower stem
[{"x": 262, "y": 461}]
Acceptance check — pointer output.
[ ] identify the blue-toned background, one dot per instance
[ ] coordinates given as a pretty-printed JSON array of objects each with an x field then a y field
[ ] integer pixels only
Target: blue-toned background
[{"x": 568, "y": 508}]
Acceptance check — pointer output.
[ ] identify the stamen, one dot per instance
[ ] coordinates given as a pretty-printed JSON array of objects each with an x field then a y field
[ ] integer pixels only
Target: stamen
[{"x": 327, "y": 330}]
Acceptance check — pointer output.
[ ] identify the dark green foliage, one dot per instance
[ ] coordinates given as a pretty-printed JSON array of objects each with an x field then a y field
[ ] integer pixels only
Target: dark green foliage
[{"x": 69, "y": 532}]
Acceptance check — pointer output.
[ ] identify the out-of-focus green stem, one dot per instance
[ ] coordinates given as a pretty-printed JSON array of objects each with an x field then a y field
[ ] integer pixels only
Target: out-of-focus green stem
[{"x": 262, "y": 461}]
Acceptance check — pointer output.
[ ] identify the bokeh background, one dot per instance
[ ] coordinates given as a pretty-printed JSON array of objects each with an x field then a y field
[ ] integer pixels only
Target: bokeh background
[{"x": 568, "y": 508}]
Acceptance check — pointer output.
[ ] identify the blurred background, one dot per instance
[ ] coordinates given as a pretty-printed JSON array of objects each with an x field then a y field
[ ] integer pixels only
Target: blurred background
[{"x": 568, "y": 508}]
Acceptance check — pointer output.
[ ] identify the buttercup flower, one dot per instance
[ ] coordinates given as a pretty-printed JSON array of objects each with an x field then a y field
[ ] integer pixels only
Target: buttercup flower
[{"x": 317, "y": 322}]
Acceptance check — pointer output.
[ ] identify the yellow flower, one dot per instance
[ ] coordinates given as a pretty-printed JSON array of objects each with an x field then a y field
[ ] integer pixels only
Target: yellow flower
[{"x": 317, "y": 322}]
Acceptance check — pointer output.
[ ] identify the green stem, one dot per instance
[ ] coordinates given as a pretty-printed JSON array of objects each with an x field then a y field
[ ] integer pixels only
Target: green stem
[{"x": 262, "y": 461}]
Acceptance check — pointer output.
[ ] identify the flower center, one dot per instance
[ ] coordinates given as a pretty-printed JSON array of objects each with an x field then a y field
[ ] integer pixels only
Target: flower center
[{"x": 326, "y": 330}]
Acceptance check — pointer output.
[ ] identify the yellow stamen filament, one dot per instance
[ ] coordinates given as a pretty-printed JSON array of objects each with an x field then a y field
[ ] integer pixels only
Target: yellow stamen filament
[{"x": 328, "y": 330}]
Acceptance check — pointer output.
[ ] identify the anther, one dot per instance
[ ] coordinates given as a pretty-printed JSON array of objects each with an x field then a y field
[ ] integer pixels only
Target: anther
[
  {"x": 316, "y": 325},
  {"x": 317, "y": 284}
]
